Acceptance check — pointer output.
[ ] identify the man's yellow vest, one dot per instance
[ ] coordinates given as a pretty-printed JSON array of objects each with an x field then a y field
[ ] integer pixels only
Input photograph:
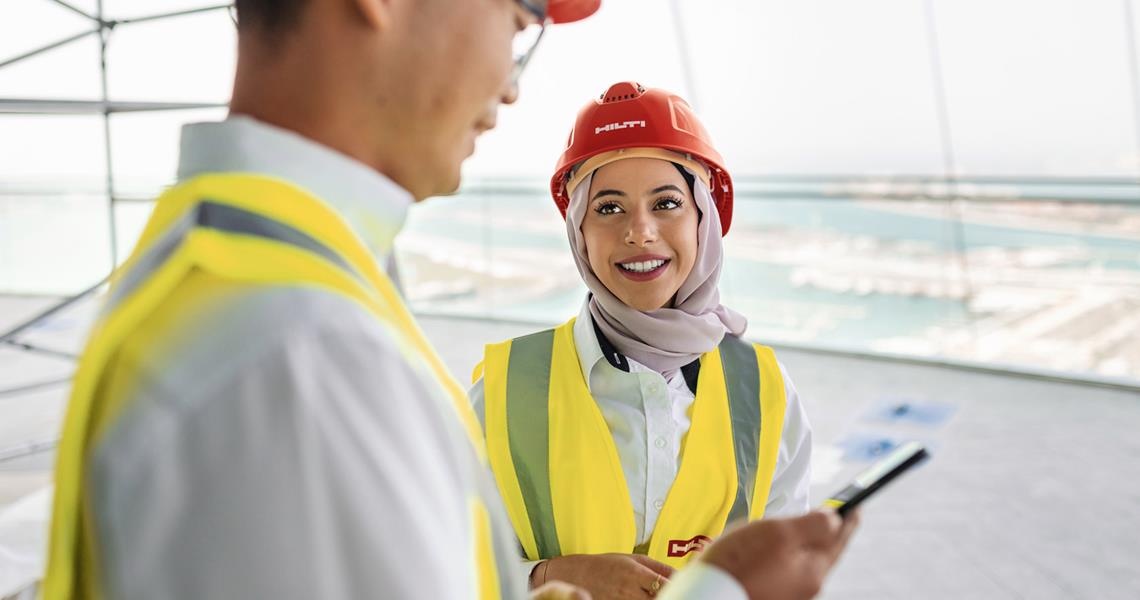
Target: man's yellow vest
[
  {"x": 208, "y": 237},
  {"x": 558, "y": 469}
]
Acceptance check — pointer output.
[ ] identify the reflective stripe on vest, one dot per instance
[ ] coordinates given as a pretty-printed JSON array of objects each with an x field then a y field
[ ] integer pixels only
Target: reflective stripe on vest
[
  {"x": 742, "y": 380},
  {"x": 233, "y": 236},
  {"x": 533, "y": 388},
  {"x": 528, "y": 389},
  {"x": 228, "y": 219}
]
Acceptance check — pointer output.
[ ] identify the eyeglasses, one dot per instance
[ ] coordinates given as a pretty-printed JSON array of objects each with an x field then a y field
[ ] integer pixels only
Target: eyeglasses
[{"x": 526, "y": 41}]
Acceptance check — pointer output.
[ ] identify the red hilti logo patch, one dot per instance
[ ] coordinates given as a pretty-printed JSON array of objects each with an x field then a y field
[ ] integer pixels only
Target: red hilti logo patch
[{"x": 679, "y": 548}]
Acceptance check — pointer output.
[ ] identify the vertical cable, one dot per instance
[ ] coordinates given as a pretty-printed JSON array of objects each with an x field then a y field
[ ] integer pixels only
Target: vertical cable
[
  {"x": 686, "y": 60},
  {"x": 949, "y": 163},
  {"x": 1134, "y": 75}
]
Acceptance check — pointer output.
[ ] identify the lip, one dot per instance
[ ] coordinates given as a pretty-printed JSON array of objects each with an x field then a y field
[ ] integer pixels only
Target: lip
[
  {"x": 475, "y": 133},
  {"x": 648, "y": 275}
]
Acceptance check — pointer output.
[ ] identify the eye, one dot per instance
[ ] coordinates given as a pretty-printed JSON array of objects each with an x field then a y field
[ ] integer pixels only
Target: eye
[
  {"x": 669, "y": 203},
  {"x": 608, "y": 208},
  {"x": 523, "y": 17}
]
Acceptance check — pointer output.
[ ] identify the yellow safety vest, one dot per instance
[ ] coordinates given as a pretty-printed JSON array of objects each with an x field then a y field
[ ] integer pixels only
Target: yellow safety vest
[
  {"x": 207, "y": 237},
  {"x": 559, "y": 473}
]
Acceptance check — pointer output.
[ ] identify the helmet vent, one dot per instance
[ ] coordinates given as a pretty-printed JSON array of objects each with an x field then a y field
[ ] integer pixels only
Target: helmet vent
[{"x": 622, "y": 91}]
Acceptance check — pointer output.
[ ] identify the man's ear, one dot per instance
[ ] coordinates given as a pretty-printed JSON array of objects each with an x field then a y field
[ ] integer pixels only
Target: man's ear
[{"x": 377, "y": 14}]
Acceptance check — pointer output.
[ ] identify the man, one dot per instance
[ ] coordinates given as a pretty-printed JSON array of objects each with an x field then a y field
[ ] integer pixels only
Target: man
[{"x": 256, "y": 414}]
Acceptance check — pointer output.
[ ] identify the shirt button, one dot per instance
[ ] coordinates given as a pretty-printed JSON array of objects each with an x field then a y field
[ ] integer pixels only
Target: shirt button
[
  {"x": 660, "y": 443},
  {"x": 659, "y": 504},
  {"x": 654, "y": 388}
]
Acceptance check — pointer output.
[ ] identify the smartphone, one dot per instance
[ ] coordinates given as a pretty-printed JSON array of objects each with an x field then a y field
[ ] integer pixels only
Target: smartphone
[{"x": 870, "y": 481}]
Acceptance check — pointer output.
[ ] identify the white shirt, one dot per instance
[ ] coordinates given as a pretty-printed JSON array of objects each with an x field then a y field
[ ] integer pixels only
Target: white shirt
[
  {"x": 648, "y": 416},
  {"x": 282, "y": 446}
]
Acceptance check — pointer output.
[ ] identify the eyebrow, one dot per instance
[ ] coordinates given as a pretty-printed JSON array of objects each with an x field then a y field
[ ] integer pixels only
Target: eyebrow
[
  {"x": 666, "y": 188},
  {"x": 609, "y": 193},
  {"x": 656, "y": 190}
]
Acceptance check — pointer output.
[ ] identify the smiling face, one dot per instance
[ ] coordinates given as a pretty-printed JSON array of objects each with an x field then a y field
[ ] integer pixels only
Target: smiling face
[{"x": 640, "y": 231}]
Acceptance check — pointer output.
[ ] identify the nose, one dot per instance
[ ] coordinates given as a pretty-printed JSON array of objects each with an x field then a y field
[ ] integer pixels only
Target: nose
[
  {"x": 510, "y": 92},
  {"x": 642, "y": 230}
]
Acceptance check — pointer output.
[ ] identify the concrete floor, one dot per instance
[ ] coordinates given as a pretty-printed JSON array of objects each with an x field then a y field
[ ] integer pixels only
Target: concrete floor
[{"x": 1032, "y": 492}]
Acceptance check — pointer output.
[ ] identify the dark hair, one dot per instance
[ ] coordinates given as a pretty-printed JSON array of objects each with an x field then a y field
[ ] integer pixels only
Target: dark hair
[
  {"x": 269, "y": 16},
  {"x": 689, "y": 179}
]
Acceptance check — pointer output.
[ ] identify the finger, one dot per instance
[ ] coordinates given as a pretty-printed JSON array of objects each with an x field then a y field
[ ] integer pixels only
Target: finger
[
  {"x": 850, "y": 524},
  {"x": 660, "y": 568},
  {"x": 819, "y": 528},
  {"x": 814, "y": 574},
  {"x": 824, "y": 557},
  {"x": 654, "y": 586},
  {"x": 649, "y": 581}
]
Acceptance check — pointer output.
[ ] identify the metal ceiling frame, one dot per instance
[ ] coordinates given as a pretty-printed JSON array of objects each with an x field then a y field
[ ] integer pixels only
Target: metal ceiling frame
[{"x": 104, "y": 28}]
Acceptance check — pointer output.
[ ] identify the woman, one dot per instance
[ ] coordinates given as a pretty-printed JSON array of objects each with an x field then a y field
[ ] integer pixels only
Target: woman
[{"x": 625, "y": 439}]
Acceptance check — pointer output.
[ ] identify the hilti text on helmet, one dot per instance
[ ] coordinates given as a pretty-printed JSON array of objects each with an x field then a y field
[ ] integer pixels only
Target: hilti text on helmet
[{"x": 619, "y": 125}]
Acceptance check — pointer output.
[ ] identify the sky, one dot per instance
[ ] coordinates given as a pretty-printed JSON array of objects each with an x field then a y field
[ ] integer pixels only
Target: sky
[{"x": 1032, "y": 87}]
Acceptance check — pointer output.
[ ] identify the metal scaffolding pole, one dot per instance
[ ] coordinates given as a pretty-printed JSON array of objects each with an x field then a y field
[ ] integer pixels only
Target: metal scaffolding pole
[
  {"x": 104, "y": 28},
  {"x": 104, "y": 38}
]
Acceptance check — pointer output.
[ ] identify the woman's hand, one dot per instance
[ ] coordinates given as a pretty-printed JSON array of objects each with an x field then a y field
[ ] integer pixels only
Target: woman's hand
[{"x": 608, "y": 576}]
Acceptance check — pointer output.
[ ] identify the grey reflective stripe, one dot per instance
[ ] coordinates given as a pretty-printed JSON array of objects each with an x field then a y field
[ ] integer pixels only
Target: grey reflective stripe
[
  {"x": 528, "y": 432},
  {"x": 150, "y": 261},
  {"x": 222, "y": 217},
  {"x": 230, "y": 219},
  {"x": 742, "y": 380}
]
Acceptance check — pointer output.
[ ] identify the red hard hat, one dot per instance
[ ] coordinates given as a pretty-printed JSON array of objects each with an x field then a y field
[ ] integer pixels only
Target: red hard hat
[
  {"x": 567, "y": 11},
  {"x": 629, "y": 115}
]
